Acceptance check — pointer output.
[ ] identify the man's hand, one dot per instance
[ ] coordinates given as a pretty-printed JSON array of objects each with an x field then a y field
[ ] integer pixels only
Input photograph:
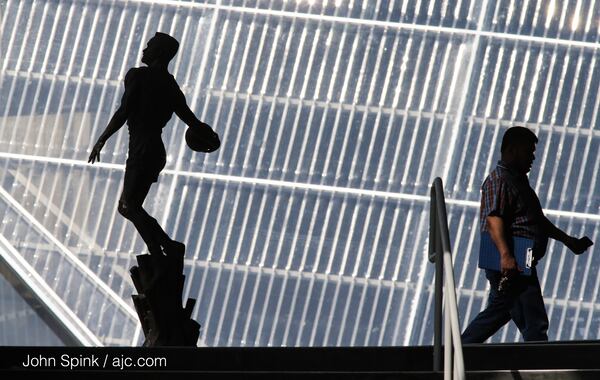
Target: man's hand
[
  {"x": 509, "y": 270},
  {"x": 508, "y": 265},
  {"x": 95, "y": 155},
  {"x": 578, "y": 246}
]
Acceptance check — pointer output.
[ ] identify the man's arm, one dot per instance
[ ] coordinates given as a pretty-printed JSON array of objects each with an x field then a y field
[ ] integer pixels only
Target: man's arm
[
  {"x": 495, "y": 226},
  {"x": 117, "y": 120},
  {"x": 115, "y": 123},
  {"x": 187, "y": 116},
  {"x": 183, "y": 111},
  {"x": 577, "y": 245}
]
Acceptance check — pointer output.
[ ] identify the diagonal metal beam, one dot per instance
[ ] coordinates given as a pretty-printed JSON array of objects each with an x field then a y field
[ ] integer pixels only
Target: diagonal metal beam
[
  {"x": 69, "y": 256},
  {"x": 32, "y": 287},
  {"x": 63, "y": 218}
]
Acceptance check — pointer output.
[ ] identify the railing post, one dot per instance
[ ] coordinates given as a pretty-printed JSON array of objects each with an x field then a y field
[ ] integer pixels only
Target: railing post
[
  {"x": 436, "y": 256},
  {"x": 439, "y": 284},
  {"x": 433, "y": 225},
  {"x": 440, "y": 252},
  {"x": 447, "y": 346}
]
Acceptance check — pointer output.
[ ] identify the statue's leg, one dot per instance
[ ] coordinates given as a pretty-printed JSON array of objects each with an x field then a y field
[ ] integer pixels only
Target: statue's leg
[{"x": 135, "y": 189}]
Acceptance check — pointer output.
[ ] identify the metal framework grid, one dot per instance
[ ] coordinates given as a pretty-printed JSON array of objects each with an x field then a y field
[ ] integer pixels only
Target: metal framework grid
[{"x": 309, "y": 225}]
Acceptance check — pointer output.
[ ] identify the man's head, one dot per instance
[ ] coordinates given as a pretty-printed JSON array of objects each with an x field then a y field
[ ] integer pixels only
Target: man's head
[
  {"x": 161, "y": 48},
  {"x": 518, "y": 148}
]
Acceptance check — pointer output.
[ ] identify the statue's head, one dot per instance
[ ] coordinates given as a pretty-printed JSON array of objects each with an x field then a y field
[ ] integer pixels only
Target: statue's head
[{"x": 161, "y": 48}]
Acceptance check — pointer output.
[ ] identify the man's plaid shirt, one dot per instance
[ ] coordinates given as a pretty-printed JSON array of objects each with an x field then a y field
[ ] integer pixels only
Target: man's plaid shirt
[{"x": 507, "y": 194}]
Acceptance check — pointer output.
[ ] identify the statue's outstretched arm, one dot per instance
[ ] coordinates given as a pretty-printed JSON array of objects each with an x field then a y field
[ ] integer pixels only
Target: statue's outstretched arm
[
  {"x": 118, "y": 119},
  {"x": 187, "y": 116}
]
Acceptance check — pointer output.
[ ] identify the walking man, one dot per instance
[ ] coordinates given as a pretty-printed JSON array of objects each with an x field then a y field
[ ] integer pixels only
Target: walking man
[
  {"x": 510, "y": 208},
  {"x": 151, "y": 96}
]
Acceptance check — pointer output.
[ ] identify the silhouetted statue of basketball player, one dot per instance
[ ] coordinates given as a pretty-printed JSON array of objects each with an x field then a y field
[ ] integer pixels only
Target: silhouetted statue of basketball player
[{"x": 151, "y": 96}]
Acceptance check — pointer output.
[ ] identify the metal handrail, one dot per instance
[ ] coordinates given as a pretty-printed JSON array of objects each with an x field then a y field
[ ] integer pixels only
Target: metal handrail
[{"x": 440, "y": 253}]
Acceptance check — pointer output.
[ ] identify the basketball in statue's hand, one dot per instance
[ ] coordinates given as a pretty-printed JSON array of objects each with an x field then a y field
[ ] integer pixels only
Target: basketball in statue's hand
[{"x": 202, "y": 139}]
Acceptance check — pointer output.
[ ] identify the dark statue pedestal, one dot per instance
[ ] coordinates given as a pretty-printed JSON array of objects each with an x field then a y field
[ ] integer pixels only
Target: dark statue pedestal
[{"x": 159, "y": 282}]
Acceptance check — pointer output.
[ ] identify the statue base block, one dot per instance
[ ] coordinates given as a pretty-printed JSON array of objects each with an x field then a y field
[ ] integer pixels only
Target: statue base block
[{"x": 159, "y": 283}]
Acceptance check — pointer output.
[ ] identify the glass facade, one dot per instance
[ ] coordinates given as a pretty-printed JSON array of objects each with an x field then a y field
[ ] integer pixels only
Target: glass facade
[{"x": 309, "y": 226}]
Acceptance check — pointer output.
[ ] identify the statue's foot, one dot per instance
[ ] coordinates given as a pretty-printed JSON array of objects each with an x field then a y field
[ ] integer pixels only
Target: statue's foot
[
  {"x": 155, "y": 250},
  {"x": 174, "y": 248}
]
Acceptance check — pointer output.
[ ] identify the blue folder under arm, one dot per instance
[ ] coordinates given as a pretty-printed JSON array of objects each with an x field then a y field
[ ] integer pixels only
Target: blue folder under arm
[{"x": 489, "y": 256}]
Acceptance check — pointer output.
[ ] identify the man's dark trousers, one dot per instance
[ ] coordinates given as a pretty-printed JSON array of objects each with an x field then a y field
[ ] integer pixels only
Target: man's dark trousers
[{"x": 522, "y": 302}]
